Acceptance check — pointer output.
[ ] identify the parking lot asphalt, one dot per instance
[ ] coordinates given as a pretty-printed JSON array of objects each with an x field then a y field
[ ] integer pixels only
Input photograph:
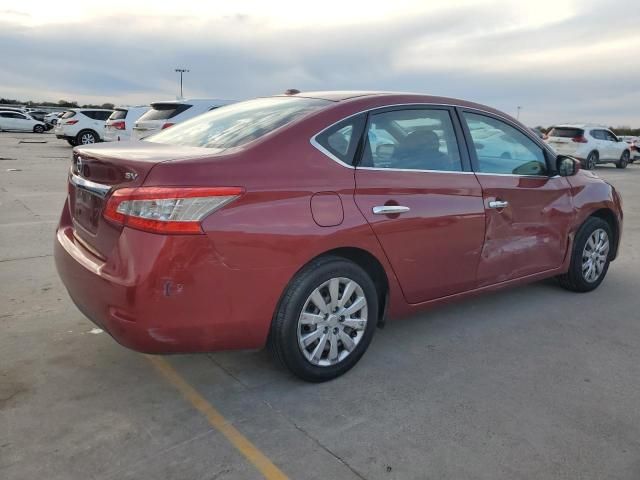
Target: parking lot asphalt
[{"x": 530, "y": 383}]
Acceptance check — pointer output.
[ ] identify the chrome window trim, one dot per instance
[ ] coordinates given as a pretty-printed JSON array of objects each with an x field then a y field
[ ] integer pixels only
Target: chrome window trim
[
  {"x": 313, "y": 141},
  {"x": 91, "y": 187}
]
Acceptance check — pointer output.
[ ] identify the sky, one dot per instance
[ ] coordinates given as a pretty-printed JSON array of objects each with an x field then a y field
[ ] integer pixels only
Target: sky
[{"x": 559, "y": 60}]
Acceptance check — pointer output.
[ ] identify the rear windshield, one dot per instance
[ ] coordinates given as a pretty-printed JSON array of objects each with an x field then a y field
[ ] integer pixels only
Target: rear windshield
[
  {"x": 239, "y": 123},
  {"x": 164, "y": 111},
  {"x": 118, "y": 115},
  {"x": 566, "y": 132},
  {"x": 68, "y": 114}
]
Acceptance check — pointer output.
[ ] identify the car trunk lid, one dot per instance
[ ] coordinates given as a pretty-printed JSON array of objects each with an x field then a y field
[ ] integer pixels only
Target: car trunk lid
[{"x": 98, "y": 170}]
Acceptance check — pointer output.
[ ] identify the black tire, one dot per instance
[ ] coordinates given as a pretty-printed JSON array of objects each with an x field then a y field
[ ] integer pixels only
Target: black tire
[
  {"x": 87, "y": 137},
  {"x": 624, "y": 160},
  {"x": 283, "y": 338},
  {"x": 574, "y": 279},
  {"x": 591, "y": 161},
  {"x": 38, "y": 129},
  {"x": 72, "y": 142}
]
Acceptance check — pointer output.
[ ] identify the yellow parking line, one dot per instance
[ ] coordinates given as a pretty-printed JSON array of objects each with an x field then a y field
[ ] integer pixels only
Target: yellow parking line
[{"x": 242, "y": 444}]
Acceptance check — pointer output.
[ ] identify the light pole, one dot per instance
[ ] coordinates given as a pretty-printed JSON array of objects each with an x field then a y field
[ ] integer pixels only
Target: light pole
[
  {"x": 518, "y": 114},
  {"x": 181, "y": 71}
]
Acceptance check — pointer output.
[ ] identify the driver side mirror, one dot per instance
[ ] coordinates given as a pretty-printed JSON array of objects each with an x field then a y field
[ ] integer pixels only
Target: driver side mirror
[{"x": 567, "y": 166}]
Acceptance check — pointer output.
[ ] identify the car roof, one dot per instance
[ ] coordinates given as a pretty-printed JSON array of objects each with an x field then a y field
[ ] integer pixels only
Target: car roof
[
  {"x": 382, "y": 98},
  {"x": 194, "y": 101},
  {"x": 580, "y": 125}
]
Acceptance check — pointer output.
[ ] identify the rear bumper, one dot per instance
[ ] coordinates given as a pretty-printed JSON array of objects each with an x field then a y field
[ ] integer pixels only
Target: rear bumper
[{"x": 165, "y": 294}]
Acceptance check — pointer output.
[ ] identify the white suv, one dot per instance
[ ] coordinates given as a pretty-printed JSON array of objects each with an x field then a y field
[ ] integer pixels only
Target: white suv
[
  {"x": 166, "y": 114},
  {"x": 82, "y": 126},
  {"x": 119, "y": 125},
  {"x": 591, "y": 144}
]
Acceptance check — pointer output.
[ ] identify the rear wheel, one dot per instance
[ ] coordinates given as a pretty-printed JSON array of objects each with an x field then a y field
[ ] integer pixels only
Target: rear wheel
[
  {"x": 87, "y": 137},
  {"x": 624, "y": 160},
  {"x": 591, "y": 161},
  {"x": 38, "y": 129},
  {"x": 326, "y": 319},
  {"x": 72, "y": 142},
  {"x": 590, "y": 256}
]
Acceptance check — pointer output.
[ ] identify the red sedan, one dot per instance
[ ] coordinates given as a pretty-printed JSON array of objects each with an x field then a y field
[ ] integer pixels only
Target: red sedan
[{"x": 306, "y": 220}]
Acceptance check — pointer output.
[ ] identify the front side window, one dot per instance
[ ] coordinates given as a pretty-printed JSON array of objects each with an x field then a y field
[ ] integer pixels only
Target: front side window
[
  {"x": 239, "y": 123},
  {"x": 341, "y": 140},
  {"x": 610, "y": 136},
  {"x": 501, "y": 148},
  {"x": 418, "y": 139}
]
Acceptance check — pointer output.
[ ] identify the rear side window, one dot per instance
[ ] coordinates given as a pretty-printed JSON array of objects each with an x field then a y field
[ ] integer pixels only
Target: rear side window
[
  {"x": 413, "y": 139},
  {"x": 598, "y": 134},
  {"x": 341, "y": 140},
  {"x": 565, "y": 132},
  {"x": 164, "y": 111},
  {"x": 238, "y": 123},
  {"x": 118, "y": 115}
]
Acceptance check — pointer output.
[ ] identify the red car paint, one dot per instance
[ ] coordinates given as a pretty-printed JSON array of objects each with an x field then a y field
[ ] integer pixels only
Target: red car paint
[{"x": 196, "y": 293}]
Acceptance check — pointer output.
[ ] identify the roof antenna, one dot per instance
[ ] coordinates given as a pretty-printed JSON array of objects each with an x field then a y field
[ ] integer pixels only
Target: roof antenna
[{"x": 291, "y": 91}]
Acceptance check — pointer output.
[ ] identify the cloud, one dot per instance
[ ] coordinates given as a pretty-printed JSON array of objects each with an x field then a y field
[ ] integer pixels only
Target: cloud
[{"x": 559, "y": 63}]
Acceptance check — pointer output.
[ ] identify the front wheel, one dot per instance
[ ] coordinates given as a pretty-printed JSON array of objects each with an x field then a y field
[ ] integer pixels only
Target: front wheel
[
  {"x": 590, "y": 257},
  {"x": 325, "y": 320},
  {"x": 624, "y": 160}
]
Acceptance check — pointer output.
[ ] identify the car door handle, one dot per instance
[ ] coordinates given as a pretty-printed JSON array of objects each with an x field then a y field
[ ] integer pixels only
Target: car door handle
[
  {"x": 498, "y": 204},
  {"x": 389, "y": 209}
]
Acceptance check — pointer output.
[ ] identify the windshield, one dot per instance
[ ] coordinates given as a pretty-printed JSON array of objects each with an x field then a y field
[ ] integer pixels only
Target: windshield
[{"x": 239, "y": 123}]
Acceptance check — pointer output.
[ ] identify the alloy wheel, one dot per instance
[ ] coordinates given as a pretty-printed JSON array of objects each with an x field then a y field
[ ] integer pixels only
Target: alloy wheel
[
  {"x": 594, "y": 255},
  {"x": 332, "y": 322},
  {"x": 87, "y": 138}
]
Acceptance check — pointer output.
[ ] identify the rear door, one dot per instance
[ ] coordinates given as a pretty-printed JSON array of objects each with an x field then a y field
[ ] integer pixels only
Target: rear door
[
  {"x": 415, "y": 188},
  {"x": 528, "y": 208},
  {"x": 23, "y": 122}
]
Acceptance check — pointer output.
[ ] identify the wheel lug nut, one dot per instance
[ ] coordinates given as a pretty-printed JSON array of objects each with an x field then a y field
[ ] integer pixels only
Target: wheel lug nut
[
  {"x": 335, "y": 330},
  {"x": 342, "y": 318}
]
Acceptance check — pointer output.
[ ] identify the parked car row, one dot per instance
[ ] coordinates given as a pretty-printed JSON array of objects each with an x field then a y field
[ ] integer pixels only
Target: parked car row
[
  {"x": 592, "y": 145},
  {"x": 83, "y": 126}
]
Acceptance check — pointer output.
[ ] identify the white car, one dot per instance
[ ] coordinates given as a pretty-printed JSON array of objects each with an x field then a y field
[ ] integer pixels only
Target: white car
[
  {"x": 119, "y": 125},
  {"x": 82, "y": 126},
  {"x": 634, "y": 146},
  {"x": 591, "y": 144},
  {"x": 20, "y": 122},
  {"x": 163, "y": 115},
  {"x": 52, "y": 118}
]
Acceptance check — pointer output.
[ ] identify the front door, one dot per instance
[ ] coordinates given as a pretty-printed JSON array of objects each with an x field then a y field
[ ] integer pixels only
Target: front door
[
  {"x": 528, "y": 208},
  {"x": 416, "y": 190}
]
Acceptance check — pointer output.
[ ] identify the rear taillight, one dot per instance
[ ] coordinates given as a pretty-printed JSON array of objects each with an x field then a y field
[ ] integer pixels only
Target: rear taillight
[
  {"x": 118, "y": 125},
  {"x": 167, "y": 125},
  {"x": 579, "y": 139},
  {"x": 71, "y": 122},
  {"x": 167, "y": 209}
]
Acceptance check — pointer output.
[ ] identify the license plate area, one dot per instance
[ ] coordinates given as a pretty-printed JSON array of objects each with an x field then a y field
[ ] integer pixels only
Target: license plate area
[{"x": 87, "y": 208}]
